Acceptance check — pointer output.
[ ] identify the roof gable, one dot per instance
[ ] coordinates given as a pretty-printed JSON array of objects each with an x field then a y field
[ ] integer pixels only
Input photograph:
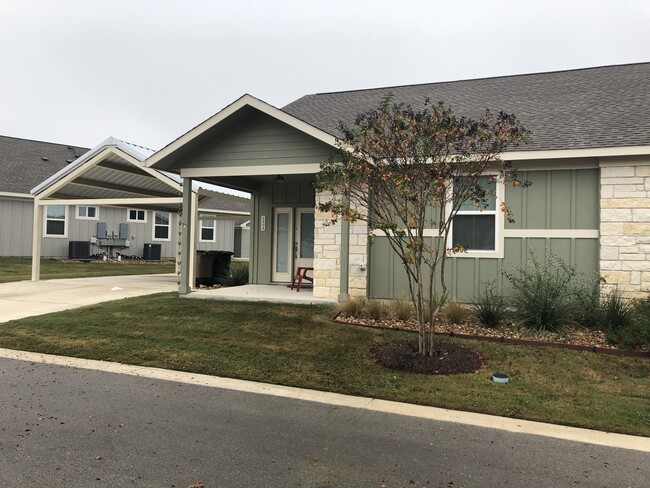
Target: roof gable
[{"x": 188, "y": 145}]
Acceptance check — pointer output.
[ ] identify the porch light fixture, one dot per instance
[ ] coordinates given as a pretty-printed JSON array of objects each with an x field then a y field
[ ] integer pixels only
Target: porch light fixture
[{"x": 279, "y": 179}]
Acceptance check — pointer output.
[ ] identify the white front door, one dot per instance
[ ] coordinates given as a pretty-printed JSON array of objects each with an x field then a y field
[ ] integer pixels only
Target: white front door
[
  {"x": 282, "y": 244},
  {"x": 293, "y": 242}
]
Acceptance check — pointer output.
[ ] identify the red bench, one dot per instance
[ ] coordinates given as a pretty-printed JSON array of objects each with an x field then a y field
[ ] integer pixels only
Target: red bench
[{"x": 301, "y": 274}]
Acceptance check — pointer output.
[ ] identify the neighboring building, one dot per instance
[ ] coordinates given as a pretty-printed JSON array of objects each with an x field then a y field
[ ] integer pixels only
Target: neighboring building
[
  {"x": 589, "y": 162},
  {"x": 81, "y": 190}
]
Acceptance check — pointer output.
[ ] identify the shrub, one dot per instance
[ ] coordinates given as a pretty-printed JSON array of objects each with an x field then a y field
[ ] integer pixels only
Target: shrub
[
  {"x": 489, "y": 307},
  {"x": 375, "y": 309},
  {"x": 586, "y": 295},
  {"x": 402, "y": 308},
  {"x": 353, "y": 307},
  {"x": 614, "y": 312},
  {"x": 455, "y": 313},
  {"x": 237, "y": 276},
  {"x": 543, "y": 294},
  {"x": 635, "y": 333}
]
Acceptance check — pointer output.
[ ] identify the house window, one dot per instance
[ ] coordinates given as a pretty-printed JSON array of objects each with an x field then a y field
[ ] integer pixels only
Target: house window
[
  {"x": 87, "y": 213},
  {"x": 161, "y": 226},
  {"x": 55, "y": 221},
  {"x": 475, "y": 229},
  {"x": 207, "y": 230},
  {"x": 134, "y": 215}
]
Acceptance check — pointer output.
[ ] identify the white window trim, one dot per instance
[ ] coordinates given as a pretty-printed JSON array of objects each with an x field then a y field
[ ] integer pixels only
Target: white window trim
[
  {"x": 214, "y": 230},
  {"x": 499, "y": 223},
  {"x": 153, "y": 227},
  {"x": 79, "y": 217},
  {"x": 136, "y": 221},
  {"x": 65, "y": 224}
]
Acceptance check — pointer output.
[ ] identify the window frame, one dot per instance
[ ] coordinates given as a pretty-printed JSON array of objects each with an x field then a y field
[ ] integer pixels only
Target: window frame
[
  {"x": 86, "y": 217},
  {"x": 136, "y": 220},
  {"x": 499, "y": 225},
  {"x": 65, "y": 222},
  {"x": 213, "y": 228},
  {"x": 155, "y": 225}
]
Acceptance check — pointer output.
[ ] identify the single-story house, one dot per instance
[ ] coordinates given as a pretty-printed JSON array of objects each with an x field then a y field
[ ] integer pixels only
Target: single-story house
[
  {"x": 589, "y": 164},
  {"x": 101, "y": 201}
]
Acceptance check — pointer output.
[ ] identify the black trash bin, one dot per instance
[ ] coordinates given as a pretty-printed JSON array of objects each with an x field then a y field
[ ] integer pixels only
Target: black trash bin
[{"x": 221, "y": 264}]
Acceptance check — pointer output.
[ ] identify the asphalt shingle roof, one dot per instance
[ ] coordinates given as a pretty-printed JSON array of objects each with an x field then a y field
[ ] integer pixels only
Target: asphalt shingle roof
[
  {"x": 25, "y": 163},
  {"x": 586, "y": 108},
  {"x": 23, "y": 167}
]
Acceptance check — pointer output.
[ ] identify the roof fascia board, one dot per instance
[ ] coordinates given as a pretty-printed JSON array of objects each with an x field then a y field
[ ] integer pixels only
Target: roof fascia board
[
  {"x": 258, "y": 170},
  {"x": 600, "y": 152},
  {"x": 110, "y": 201},
  {"x": 224, "y": 212},
  {"x": 16, "y": 196},
  {"x": 246, "y": 100}
]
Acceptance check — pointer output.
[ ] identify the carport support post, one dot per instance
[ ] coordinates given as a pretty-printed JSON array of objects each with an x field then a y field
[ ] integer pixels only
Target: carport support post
[
  {"x": 184, "y": 285},
  {"x": 37, "y": 240}
]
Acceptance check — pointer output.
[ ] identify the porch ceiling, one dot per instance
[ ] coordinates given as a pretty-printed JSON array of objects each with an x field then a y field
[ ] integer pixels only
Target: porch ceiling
[{"x": 115, "y": 178}]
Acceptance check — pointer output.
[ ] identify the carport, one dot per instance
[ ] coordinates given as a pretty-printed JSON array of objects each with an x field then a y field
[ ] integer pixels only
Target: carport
[{"x": 113, "y": 174}]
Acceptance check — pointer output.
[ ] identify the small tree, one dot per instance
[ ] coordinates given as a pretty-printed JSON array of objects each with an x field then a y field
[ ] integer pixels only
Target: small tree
[{"x": 403, "y": 171}]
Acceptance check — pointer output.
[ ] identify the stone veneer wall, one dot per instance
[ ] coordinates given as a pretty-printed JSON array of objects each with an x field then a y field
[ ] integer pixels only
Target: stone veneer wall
[
  {"x": 625, "y": 226},
  {"x": 327, "y": 256}
]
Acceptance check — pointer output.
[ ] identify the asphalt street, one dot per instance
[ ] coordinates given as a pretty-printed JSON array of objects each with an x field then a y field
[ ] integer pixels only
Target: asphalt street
[{"x": 68, "y": 427}]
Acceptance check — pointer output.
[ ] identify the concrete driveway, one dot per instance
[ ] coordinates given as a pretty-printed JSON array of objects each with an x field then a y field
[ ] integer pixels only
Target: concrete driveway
[{"x": 29, "y": 298}]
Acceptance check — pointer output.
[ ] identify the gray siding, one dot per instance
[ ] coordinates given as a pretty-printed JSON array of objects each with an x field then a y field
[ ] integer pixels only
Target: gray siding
[
  {"x": 83, "y": 230},
  {"x": 224, "y": 237},
  {"x": 16, "y": 226},
  {"x": 242, "y": 242},
  {"x": 557, "y": 199},
  {"x": 261, "y": 140},
  {"x": 16, "y": 222}
]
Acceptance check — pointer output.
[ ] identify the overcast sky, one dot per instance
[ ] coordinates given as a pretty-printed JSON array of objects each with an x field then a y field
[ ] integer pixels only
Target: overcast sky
[{"x": 78, "y": 71}]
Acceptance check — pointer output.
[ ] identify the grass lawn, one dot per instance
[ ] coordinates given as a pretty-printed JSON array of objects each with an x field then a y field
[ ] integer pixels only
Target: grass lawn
[
  {"x": 297, "y": 345},
  {"x": 17, "y": 269}
]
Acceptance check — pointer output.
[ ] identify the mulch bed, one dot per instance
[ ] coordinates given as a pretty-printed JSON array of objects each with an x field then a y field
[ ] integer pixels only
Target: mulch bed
[
  {"x": 448, "y": 358},
  {"x": 576, "y": 338}
]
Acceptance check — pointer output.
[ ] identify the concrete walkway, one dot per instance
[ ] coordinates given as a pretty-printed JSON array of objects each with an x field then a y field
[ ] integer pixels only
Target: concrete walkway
[
  {"x": 30, "y": 298},
  {"x": 261, "y": 293}
]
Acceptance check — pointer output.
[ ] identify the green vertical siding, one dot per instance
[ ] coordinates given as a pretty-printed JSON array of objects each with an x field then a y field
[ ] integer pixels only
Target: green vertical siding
[
  {"x": 556, "y": 200},
  {"x": 260, "y": 140}
]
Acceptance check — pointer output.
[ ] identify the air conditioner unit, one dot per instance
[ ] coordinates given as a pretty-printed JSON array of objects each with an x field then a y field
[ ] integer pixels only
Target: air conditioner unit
[
  {"x": 152, "y": 252},
  {"x": 79, "y": 250}
]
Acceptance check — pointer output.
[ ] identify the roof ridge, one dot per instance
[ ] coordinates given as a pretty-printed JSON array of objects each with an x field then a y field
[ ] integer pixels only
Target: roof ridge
[{"x": 519, "y": 75}]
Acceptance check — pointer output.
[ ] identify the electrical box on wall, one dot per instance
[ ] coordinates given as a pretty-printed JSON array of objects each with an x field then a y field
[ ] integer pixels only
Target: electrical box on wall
[{"x": 263, "y": 223}]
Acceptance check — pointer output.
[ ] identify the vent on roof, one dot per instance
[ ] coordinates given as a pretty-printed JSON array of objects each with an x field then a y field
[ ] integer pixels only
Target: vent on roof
[
  {"x": 68, "y": 161},
  {"x": 44, "y": 158}
]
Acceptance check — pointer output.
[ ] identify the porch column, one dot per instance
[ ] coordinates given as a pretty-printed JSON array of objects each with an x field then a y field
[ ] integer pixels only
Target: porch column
[
  {"x": 186, "y": 237},
  {"x": 37, "y": 240},
  {"x": 194, "y": 238},
  {"x": 345, "y": 260}
]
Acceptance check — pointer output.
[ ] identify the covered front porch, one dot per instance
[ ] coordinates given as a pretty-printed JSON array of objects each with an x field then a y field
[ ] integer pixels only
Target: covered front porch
[{"x": 254, "y": 147}]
